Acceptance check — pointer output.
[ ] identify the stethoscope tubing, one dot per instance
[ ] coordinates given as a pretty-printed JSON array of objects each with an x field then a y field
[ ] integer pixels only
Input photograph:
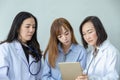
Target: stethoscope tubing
[{"x": 38, "y": 69}]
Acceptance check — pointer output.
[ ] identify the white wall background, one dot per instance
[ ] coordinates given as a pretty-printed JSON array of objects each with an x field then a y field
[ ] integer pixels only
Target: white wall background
[{"x": 73, "y": 10}]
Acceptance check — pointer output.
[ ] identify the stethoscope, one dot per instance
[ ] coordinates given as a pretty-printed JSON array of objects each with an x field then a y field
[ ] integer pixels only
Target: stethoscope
[
  {"x": 32, "y": 49},
  {"x": 93, "y": 57}
]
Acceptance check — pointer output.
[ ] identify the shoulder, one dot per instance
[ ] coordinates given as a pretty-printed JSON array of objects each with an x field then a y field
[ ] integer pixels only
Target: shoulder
[
  {"x": 8, "y": 46},
  {"x": 4, "y": 45},
  {"x": 4, "y": 49},
  {"x": 109, "y": 48},
  {"x": 79, "y": 48}
]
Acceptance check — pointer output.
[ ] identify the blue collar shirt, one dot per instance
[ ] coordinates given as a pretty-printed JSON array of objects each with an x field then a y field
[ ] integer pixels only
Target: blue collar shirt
[{"x": 76, "y": 53}]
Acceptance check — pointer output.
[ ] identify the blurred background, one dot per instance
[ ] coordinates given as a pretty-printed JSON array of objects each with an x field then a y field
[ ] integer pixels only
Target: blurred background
[{"x": 73, "y": 10}]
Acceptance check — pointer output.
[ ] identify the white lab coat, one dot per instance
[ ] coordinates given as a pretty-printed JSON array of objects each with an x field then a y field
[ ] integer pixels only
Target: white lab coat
[
  {"x": 106, "y": 65},
  {"x": 13, "y": 63}
]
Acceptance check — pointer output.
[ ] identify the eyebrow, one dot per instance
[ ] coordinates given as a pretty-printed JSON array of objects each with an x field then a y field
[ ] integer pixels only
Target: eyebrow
[
  {"x": 89, "y": 30},
  {"x": 27, "y": 24},
  {"x": 30, "y": 24}
]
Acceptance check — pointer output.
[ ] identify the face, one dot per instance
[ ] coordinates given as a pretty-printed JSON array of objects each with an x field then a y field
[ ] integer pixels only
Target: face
[
  {"x": 89, "y": 33},
  {"x": 27, "y": 30},
  {"x": 65, "y": 37}
]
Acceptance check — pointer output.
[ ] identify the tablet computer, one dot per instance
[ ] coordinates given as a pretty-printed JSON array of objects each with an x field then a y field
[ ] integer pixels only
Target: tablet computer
[{"x": 70, "y": 70}]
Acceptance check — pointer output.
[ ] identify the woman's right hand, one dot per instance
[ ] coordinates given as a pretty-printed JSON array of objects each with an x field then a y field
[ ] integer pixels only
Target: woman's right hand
[{"x": 82, "y": 77}]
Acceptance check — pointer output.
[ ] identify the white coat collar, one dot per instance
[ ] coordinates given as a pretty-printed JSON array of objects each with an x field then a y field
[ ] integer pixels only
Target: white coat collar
[{"x": 101, "y": 48}]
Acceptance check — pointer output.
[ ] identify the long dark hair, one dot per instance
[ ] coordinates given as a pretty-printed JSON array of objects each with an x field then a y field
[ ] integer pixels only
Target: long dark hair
[
  {"x": 100, "y": 31},
  {"x": 14, "y": 31}
]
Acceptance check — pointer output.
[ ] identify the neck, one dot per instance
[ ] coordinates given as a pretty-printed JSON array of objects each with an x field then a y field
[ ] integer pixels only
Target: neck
[
  {"x": 23, "y": 43},
  {"x": 66, "y": 47}
]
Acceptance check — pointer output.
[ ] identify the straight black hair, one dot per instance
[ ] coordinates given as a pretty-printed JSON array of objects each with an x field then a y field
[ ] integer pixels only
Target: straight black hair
[{"x": 15, "y": 27}]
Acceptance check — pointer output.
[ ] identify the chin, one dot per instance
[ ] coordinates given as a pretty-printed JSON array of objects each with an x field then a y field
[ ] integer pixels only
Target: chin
[
  {"x": 28, "y": 39},
  {"x": 91, "y": 44}
]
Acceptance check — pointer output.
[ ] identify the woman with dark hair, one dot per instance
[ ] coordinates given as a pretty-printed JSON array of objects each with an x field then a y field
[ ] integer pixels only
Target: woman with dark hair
[
  {"x": 62, "y": 47},
  {"x": 103, "y": 60},
  {"x": 20, "y": 54}
]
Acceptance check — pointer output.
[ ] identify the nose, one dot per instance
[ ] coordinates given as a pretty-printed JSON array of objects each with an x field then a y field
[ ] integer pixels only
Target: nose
[{"x": 64, "y": 37}]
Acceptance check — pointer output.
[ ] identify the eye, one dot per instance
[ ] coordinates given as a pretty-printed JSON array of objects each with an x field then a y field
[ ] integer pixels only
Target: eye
[
  {"x": 59, "y": 36},
  {"x": 66, "y": 33},
  {"x": 27, "y": 26},
  {"x": 33, "y": 27},
  {"x": 90, "y": 31}
]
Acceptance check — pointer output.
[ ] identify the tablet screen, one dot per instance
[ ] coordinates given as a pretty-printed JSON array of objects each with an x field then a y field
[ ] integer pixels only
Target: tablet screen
[{"x": 70, "y": 70}]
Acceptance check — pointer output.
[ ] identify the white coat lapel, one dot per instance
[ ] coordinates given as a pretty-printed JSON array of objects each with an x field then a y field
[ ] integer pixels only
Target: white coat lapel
[
  {"x": 20, "y": 51},
  {"x": 99, "y": 56},
  {"x": 101, "y": 53}
]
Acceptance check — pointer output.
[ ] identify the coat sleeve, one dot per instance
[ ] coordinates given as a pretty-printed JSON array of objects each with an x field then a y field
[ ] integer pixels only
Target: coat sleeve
[{"x": 4, "y": 62}]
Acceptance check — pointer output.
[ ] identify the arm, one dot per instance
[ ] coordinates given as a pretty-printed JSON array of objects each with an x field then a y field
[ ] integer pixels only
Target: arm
[
  {"x": 111, "y": 67},
  {"x": 46, "y": 74},
  {"x": 83, "y": 57},
  {"x": 4, "y": 63}
]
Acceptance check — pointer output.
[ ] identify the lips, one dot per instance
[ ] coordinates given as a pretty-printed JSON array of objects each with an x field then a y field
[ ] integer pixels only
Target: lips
[
  {"x": 89, "y": 41},
  {"x": 66, "y": 41},
  {"x": 30, "y": 35}
]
